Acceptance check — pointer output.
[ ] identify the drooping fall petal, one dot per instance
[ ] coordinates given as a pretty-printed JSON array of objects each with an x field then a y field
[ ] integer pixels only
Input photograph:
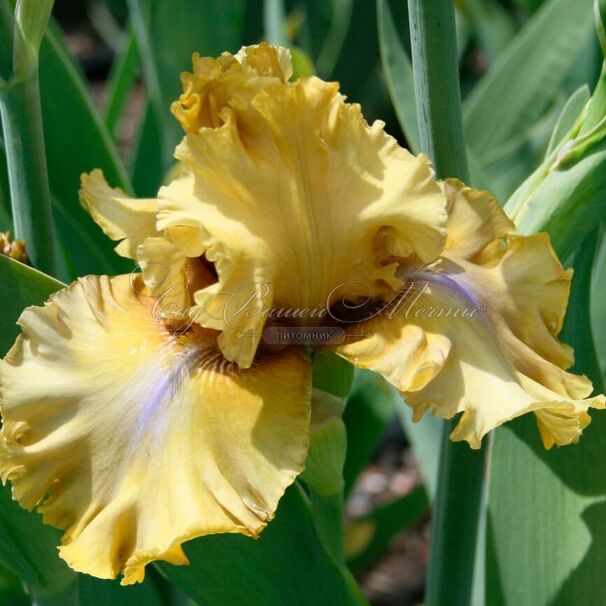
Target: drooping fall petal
[
  {"x": 476, "y": 331},
  {"x": 134, "y": 438}
]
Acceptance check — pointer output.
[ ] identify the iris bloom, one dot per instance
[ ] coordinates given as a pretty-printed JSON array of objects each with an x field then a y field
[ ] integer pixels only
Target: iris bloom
[{"x": 142, "y": 412}]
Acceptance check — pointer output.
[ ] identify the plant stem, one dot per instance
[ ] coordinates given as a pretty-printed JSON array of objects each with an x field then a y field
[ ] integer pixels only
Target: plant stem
[
  {"x": 273, "y": 22},
  {"x": 28, "y": 178},
  {"x": 460, "y": 480},
  {"x": 456, "y": 514},
  {"x": 323, "y": 473},
  {"x": 437, "y": 89}
]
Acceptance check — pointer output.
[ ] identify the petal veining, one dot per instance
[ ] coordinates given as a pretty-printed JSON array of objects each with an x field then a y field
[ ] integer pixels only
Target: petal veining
[
  {"x": 296, "y": 195},
  {"x": 134, "y": 439},
  {"x": 495, "y": 300}
]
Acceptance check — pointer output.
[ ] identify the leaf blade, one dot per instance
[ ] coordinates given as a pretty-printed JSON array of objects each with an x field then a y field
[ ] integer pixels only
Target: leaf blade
[{"x": 528, "y": 75}]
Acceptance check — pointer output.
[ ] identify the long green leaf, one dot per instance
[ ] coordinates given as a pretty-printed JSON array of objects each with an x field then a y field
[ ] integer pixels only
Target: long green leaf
[
  {"x": 528, "y": 76},
  {"x": 11, "y": 590},
  {"x": 7, "y": 36},
  {"x": 398, "y": 73},
  {"x": 357, "y": 66},
  {"x": 147, "y": 168},
  {"x": 20, "y": 286},
  {"x": 332, "y": 45},
  {"x": 569, "y": 203},
  {"x": 76, "y": 142},
  {"x": 545, "y": 526},
  {"x": 578, "y": 328},
  {"x": 493, "y": 24},
  {"x": 546, "y": 531},
  {"x": 6, "y": 221},
  {"x": 508, "y": 165},
  {"x": 424, "y": 437},
  {"x": 313, "y": 20},
  {"x": 598, "y": 308},
  {"x": 568, "y": 117},
  {"x": 98, "y": 592},
  {"x": 121, "y": 81}
]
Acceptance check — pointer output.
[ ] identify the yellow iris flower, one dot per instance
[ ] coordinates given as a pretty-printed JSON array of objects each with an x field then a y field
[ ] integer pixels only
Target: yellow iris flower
[{"x": 140, "y": 412}]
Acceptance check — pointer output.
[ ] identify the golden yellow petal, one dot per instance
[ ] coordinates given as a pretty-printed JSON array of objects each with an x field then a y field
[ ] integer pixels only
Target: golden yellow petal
[
  {"x": 563, "y": 422},
  {"x": 446, "y": 355},
  {"x": 165, "y": 266},
  {"x": 218, "y": 86},
  {"x": 499, "y": 305},
  {"x": 474, "y": 219},
  {"x": 297, "y": 196},
  {"x": 405, "y": 354},
  {"x": 528, "y": 287},
  {"x": 519, "y": 279},
  {"x": 134, "y": 439},
  {"x": 119, "y": 216},
  {"x": 267, "y": 60},
  {"x": 480, "y": 379}
]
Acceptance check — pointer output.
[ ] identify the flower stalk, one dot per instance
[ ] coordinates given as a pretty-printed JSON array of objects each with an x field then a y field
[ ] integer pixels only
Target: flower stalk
[
  {"x": 437, "y": 89},
  {"x": 21, "y": 114},
  {"x": 327, "y": 451},
  {"x": 460, "y": 478},
  {"x": 324, "y": 470}
]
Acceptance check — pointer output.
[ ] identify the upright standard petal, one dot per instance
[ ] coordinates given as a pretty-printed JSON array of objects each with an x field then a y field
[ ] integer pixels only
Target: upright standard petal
[
  {"x": 134, "y": 438},
  {"x": 299, "y": 202},
  {"x": 228, "y": 82},
  {"x": 476, "y": 331}
]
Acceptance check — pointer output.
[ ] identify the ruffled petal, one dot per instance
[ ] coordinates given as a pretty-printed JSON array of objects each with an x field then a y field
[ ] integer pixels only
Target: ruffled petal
[
  {"x": 166, "y": 261},
  {"x": 134, "y": 439},
  {"x": 266, "y": 60},
  {"x": 120, "y": 217},
  {"x": 297, "y": 197},
  {"x": 482, "y": 377},
  {"x": 405, "y": 354},
  {"x": 519, "y": 278},
  {"x": 474, "y": 219},
  {"x": 476, "y": 332},
  {"x": 228, "y": 82}
]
